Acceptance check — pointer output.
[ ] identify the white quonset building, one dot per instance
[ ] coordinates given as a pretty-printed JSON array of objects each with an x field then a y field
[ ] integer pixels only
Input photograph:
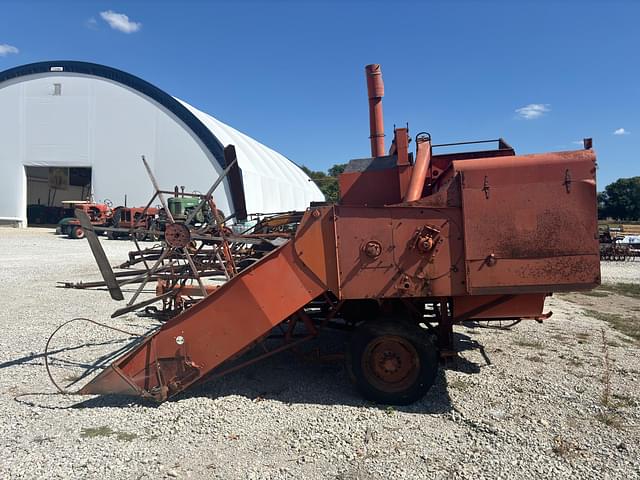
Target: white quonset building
[{"x": 85, "y": 116}]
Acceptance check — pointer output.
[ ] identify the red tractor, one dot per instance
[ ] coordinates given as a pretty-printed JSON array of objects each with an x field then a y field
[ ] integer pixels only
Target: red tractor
[
  {"x": 99, "y": 213},
  {"x": 136, "y": 219}
]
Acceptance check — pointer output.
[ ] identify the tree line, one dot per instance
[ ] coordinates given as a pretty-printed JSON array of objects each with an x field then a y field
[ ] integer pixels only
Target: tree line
[
  {"x": 327, "y": 182},
  {"x": 620, "y": 200}
]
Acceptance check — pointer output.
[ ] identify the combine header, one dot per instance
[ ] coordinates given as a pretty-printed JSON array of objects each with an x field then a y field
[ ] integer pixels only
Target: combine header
[{"x": 416, "y": 244}]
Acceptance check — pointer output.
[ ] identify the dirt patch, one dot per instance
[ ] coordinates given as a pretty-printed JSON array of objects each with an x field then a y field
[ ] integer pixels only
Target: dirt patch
[{"x": 617, "y": 304}]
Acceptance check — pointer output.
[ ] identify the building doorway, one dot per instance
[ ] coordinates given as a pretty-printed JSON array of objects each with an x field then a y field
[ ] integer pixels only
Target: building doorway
[{"x": 48, "y": 187}]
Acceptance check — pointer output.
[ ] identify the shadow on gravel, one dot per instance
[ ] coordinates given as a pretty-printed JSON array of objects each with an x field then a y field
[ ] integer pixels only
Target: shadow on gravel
[
  {"x": 34, "y": 358},
  {"x": 292, "y": 378}
]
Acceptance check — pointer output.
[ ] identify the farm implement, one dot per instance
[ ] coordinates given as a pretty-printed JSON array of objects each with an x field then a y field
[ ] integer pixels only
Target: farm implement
[{"x": 420, "y": 241}]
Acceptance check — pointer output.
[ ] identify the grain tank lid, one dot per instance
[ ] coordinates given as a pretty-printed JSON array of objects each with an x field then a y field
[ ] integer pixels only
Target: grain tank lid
[{"x": 541, "y": 165}]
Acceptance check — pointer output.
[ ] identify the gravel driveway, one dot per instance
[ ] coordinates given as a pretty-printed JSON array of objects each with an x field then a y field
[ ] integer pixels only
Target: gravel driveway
[{"x": 553, "y": 400}]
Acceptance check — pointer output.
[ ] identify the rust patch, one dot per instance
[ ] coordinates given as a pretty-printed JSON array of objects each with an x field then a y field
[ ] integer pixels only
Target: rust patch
[{"x": 551, "y": 237}]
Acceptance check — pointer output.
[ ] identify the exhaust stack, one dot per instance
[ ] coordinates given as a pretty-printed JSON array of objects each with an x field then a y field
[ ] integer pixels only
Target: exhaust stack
[{"x": 375, "y": 89}]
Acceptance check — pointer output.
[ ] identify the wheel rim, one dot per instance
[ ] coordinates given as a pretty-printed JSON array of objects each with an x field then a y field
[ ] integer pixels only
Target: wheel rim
[
  {"x": 390, "y": 363},
  {"x": 79, "y": 233}
]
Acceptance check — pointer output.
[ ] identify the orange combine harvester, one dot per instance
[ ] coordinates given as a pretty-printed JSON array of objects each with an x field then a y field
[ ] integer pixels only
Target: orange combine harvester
[{"x": 418, "y": 243}]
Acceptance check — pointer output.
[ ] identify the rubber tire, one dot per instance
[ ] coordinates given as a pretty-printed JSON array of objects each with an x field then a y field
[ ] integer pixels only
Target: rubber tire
[
  {"x": 76, "y": 232},
  {"x": 421, "y": 342}
]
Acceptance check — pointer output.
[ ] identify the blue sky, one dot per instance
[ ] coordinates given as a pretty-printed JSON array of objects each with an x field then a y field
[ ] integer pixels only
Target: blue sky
[{"x": 291, "y": 74}]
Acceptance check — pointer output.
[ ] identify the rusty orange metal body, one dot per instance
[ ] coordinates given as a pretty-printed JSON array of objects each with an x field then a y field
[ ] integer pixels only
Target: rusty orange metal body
[{"x": 484, "y": 234}]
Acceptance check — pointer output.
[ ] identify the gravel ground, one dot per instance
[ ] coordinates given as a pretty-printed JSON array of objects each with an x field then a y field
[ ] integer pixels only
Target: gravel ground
[
  {"x": 626, "y": 272},
  {"x": 531, "y": 406}
]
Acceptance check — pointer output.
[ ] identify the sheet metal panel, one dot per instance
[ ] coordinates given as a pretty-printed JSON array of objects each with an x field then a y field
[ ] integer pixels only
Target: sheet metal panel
[
  {"x": 530, "y": 222},
  {"x": 401, "y": 269}
]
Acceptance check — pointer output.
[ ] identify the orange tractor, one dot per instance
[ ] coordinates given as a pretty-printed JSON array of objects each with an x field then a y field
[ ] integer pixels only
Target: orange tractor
[
  {"x": 419, "y": 242},
  {"x": 138, "y": 221},
  {"x": 100, "y": 214}
]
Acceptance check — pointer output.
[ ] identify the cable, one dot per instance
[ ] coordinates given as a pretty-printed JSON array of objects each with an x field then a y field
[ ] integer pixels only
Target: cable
[{"x": 46, "y": 348}]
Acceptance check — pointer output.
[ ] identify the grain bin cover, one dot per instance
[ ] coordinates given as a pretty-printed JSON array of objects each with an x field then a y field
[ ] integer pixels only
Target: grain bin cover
[{"x": 78, "y": 114}]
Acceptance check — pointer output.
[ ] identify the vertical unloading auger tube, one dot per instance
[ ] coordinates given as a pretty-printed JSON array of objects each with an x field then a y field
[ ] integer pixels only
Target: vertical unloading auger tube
[
  {"x": 217, "y": 328},
  {"x": 420, "y": 169}
]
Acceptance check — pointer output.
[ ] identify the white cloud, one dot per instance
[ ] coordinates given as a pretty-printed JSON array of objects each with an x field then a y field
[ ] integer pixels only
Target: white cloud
[
  {"x": 119, "y": 21},
  {"x": 7, "y": 49},
  {"x": 533, "y": 110},
  {"x": 621, "y": 131},
  {"x": 578, "y": 142}
]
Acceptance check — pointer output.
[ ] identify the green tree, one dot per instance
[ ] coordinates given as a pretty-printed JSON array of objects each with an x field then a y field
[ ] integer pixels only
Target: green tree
[
  {"x": 620, "y": 200},
  {"x": 602, "y": 206},
  {"x": 327, "y": 183},
  {"x": 337, "y": 169}
]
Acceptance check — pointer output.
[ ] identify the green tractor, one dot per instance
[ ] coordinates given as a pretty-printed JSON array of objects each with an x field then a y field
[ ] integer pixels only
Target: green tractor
[{"x": 182, "y": 206}]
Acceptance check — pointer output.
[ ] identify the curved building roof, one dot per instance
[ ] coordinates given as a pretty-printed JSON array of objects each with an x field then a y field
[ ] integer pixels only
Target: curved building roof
[{"x": 101, "y": 115}]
